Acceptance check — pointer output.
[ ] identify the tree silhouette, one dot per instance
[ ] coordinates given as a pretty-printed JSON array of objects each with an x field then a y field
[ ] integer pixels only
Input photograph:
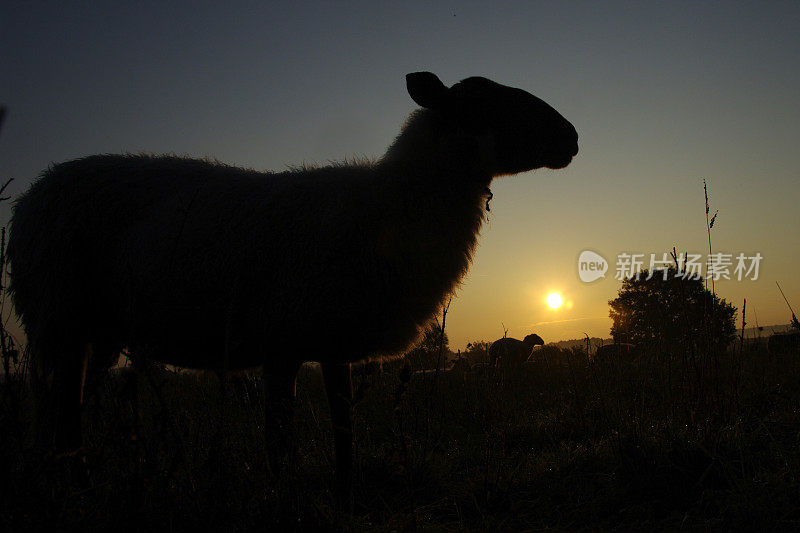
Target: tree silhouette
[
  {"x": 477, "y": 352},
  {"x": 675, "y": 310}
]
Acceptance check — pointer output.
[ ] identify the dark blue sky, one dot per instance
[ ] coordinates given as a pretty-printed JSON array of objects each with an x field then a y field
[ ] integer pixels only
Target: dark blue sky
[{"x": 661, "y": 96}]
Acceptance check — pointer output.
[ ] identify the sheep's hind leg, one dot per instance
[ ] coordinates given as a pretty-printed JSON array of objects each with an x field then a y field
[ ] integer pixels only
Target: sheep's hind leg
[
  {"x": 280, "y": 386},
  {"x": 339, "y": 388}
]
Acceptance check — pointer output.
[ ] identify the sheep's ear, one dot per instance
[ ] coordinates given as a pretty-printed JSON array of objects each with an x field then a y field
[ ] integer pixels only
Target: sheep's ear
[{"x": 426, "y": 89}]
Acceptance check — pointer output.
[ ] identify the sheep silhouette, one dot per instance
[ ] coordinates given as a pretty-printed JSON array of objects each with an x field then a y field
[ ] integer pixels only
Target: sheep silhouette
[
  {"x": 203, "y": 265},
  {"x": 620, "y": 352},
  {"x": 784, "y": 343},
  {"x": 460, "y": 368},
  {"x": 508, "y": 354}
]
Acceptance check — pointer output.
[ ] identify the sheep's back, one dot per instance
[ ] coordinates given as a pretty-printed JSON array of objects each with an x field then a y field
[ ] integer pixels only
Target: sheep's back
[{"x": 192, "y": 258}]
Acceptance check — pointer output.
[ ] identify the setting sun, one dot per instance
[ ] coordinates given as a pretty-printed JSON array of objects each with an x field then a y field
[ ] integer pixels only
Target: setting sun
[{"x": 554, "y": 300}]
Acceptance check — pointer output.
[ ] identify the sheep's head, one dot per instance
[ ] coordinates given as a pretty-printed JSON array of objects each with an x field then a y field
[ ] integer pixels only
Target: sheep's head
[
  {"x": 515, "y": 130},
  {"x": 533, "y": 340}
]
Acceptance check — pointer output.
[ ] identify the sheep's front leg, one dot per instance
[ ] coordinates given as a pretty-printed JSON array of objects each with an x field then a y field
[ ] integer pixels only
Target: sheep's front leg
[
  {"x": 69, "y": 381},
  {"x": 280, "y": 386},
  {"x": 67, "y": 409},
  {"x": 339, "y": 387}
]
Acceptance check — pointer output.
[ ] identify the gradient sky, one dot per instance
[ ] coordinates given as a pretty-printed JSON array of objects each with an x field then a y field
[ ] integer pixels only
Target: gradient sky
[{"x": 662, "y": 96}]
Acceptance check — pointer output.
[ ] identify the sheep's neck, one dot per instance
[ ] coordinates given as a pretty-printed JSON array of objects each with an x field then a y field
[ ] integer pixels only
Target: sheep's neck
[
  {"x": 429, "y": 150},
  {"x": 437, "y": 206}
]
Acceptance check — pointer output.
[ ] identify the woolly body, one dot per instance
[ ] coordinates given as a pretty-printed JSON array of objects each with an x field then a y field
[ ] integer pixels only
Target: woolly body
[
  {"x": 190, "y": 260},
  {"x": 513, "y": 352}
]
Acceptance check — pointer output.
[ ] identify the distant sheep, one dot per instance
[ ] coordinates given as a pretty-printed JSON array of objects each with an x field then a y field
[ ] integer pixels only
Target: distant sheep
[
  {"x": 203, "y": 265},
  {"x": 479, "y": 369},
  {"x": 784, "y": 343},
  {"x": 461, "y": 367},
  {"x": 619, "y": 352},
  {"x": 509, "y": 354}
]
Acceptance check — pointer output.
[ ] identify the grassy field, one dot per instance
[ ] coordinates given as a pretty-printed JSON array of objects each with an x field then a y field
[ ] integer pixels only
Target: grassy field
[{"x": 669, "y": 441}]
